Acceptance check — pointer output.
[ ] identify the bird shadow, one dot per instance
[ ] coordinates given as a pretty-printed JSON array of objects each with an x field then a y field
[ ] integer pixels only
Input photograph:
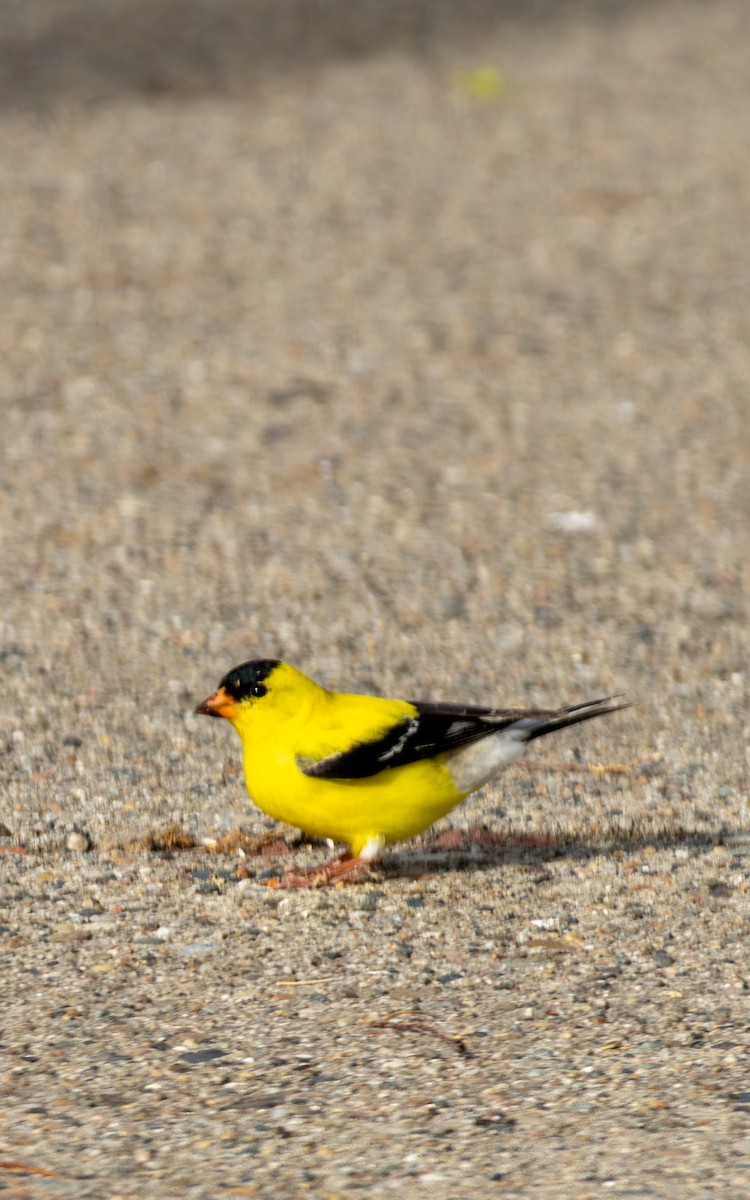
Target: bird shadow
[
  {"x": 482, "y": 849},
  {"x": 453, "y": 851}
]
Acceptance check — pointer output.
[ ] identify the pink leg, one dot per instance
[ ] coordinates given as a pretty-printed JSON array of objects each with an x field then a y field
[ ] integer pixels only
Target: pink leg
[{"x": 337, "y": 873}]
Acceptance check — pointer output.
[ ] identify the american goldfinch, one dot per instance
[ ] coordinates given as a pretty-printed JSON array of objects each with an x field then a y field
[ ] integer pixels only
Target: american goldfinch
[{"x": 363, "y": 770}]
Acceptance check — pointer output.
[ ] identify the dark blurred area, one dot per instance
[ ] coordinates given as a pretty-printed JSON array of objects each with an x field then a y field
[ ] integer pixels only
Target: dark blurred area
[{"x": 55, "y": 51}]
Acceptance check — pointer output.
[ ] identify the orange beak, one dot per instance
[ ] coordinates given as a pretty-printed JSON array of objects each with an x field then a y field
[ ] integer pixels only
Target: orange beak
[{"x": 220, "y": 704}]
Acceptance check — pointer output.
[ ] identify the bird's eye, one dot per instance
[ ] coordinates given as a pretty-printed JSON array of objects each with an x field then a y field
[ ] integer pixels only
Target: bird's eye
[{"x": 258, "y": 689}]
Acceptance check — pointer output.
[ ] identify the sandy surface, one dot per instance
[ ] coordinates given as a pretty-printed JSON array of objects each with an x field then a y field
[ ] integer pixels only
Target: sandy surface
[{"x": 317, "y": 325}]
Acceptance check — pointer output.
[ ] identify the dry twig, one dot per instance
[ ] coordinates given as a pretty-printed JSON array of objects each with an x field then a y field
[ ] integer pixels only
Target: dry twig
[{"x": 419, "y": 1025}]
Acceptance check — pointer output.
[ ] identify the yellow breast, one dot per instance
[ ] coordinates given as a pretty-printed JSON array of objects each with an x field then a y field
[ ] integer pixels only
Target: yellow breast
[{"x": 389, "y": 806}]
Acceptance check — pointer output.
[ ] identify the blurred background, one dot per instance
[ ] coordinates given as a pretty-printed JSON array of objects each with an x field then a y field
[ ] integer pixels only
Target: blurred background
[{"x": 408, "y": 341}]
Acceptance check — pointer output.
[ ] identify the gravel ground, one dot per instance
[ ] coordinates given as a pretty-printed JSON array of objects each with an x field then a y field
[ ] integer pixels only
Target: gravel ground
[{"x": 409, "y": 343}]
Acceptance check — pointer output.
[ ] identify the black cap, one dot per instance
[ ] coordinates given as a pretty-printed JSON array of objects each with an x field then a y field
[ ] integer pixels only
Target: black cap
[{"x": 240, "y": 681}]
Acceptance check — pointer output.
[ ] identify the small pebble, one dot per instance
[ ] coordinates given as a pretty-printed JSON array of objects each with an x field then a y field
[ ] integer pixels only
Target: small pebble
[
  {"x": 78, "y": 842},
  {"x": 573, "y": 522}
]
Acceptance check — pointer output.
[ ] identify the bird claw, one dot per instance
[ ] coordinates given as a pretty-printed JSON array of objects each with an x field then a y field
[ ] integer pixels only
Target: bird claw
[{"x": 338, "y": 873}]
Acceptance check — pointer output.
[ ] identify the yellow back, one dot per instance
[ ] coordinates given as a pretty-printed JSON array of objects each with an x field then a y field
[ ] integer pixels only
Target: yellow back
[{"x": 299, "y": 717}]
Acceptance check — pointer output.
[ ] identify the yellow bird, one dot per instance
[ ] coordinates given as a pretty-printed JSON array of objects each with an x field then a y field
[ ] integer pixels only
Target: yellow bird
[{"x": 363, "y": 770}]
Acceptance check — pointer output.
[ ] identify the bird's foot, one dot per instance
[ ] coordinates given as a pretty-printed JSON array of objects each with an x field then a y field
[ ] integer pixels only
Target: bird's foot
[{"x": 337, "y": 873}]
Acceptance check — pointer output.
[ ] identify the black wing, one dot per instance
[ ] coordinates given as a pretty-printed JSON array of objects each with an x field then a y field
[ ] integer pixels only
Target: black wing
[{"x": 438, "y": 728}]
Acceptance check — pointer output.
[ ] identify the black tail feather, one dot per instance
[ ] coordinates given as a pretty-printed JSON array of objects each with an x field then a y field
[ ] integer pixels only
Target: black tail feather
[{"x": 574, "y": 714}]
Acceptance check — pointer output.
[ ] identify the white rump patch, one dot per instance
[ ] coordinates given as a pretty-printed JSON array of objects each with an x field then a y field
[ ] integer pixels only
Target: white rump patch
[{"x": 473, "y": 765}]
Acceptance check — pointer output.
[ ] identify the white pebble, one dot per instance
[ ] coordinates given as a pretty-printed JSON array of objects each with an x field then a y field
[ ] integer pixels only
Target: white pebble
[
  {"x": 573, "y": 522},
  {"x": 78, "y": 842}
]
